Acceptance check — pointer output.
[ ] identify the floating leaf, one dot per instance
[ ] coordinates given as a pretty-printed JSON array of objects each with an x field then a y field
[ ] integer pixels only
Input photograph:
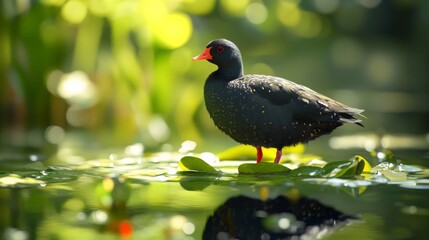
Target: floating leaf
[
  {"x": 55, "y": 174},
  {"x": 338, "y": 168},
  {"x": 263, "y": 167},
  {"x": 394, "y": 176},
  {"x": 356, "y": 168},
  {"x": 190, "y": 163},
  {"x": 363, "y": 164},
  {"x": 307, "y": 171},
  {"x": 353, "y": 167}
]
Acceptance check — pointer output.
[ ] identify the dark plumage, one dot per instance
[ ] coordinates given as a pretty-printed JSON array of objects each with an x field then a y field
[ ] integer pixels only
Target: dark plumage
[{"x": 266, "y": 111}]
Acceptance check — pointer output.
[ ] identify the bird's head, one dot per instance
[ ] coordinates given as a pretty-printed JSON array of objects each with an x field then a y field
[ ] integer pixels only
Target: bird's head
[{"x": 223, "y": 53}]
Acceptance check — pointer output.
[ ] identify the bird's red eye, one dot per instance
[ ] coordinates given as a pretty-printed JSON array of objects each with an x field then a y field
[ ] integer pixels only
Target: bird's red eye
[{"x": 220, "y": 49}]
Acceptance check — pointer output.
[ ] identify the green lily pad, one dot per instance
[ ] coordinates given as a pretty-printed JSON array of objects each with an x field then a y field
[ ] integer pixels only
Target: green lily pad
[
  {"x": 190, "y": 163},
  {"x": 263, "y": 167},
  {"x": 356, "y": 166},
  {"x": 55, "y": 174},
  {"x": 307, "y": 171},
  {"x": 338, "y": 168},
  {"x": 359, "y": 166},
  {"x": 394, "y": 176}
]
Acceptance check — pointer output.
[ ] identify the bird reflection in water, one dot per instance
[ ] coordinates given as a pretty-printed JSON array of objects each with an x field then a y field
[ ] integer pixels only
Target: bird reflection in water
[
  {"x": 112, "y": 196},
  {"x": 242, "y": 217}
]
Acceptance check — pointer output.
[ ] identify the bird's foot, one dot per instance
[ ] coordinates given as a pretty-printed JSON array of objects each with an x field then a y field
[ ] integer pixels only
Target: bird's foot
[
  {"x": 259, "y": 154},
  {"x": 278, "y": 156}
]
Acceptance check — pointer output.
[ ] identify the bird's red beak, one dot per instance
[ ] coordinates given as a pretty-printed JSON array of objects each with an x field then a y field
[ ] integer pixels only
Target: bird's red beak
[{"x": 205, "y": 55}]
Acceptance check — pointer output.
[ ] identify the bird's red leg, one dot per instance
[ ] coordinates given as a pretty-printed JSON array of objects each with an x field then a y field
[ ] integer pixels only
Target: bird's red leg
[
  {"x": 278, "y": 156},
  {"x": 259, "y": 154}
]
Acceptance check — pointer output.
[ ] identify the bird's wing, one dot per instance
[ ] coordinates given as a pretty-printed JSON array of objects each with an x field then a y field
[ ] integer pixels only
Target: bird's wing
[
  {"x": 305, "y": 104},
  {"x": 270, "y": 88}
]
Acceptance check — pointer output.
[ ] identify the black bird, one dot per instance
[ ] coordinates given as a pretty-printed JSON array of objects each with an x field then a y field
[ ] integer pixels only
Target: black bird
[{"x": 266, "y": 111}]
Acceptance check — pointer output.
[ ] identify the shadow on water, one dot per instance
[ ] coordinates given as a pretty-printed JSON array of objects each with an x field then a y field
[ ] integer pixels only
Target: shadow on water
[{"x": 242, "y": 217}]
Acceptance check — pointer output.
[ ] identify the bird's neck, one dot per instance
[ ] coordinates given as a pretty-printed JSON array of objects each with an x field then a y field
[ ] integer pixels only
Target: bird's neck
[{"x": 230, "y": 71}]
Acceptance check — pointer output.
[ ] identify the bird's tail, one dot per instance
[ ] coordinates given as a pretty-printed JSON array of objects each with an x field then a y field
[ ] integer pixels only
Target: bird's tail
[{"x": 349, "y": 116}]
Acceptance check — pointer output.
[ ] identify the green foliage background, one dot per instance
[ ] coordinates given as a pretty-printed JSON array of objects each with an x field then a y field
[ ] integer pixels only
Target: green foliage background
[{"x": 121, "y": 71}]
